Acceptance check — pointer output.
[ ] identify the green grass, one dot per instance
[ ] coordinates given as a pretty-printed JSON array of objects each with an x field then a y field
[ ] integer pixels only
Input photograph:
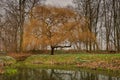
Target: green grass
[
  {"x": 105, "y": 57},
  {"x": 84, "y": 60},
  {"x": 71, "y": 60},
  {"x": 49, "y": 59},
  {"x": 65, "y": 59}
]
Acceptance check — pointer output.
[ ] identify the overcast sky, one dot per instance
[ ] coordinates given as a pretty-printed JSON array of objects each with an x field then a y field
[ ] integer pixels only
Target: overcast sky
[{"x": 59, "y": 2}]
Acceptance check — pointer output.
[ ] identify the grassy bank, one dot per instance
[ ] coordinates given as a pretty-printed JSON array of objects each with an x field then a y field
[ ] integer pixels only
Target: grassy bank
[
  {"x": 67, "y": 61},
  {"x": 6, "y": 61},
  {"x": 92, "y": 61}
]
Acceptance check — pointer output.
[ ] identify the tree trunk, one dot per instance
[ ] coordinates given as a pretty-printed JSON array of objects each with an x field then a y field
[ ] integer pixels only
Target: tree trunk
[
  {"x": 52, "y": 50},
  {"x": 21, "y": 22}
]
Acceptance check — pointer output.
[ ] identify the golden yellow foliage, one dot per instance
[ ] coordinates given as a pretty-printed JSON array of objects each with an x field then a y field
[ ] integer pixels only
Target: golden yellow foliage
[{"x": 51, "y": 26}]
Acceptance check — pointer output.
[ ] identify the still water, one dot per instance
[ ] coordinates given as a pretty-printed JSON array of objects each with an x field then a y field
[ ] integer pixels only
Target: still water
[{"x": 56, "y": 74}]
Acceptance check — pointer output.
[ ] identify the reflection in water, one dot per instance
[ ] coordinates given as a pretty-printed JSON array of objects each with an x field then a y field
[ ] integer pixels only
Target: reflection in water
[{"x": 55, "y": 74}]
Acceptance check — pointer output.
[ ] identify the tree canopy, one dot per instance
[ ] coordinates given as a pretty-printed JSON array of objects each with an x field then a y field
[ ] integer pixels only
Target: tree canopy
[{"x": 54, "y": 27}]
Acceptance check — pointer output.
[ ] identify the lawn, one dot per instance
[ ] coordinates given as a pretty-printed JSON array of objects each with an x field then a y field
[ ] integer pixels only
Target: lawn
[
  {"x": 75, "y": 59},
  {"x": 94, "y": 61}
]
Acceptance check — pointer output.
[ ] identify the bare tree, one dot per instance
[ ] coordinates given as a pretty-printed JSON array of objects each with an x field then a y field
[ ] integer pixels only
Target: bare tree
[{"x": 15, "y": 14}]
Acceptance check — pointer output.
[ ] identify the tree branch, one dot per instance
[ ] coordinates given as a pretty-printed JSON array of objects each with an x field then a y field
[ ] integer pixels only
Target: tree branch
[{"x": 62, "y": 46}]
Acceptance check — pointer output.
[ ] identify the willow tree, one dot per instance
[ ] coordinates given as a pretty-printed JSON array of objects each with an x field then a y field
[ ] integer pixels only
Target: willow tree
[{"x": 53, "y": 27}]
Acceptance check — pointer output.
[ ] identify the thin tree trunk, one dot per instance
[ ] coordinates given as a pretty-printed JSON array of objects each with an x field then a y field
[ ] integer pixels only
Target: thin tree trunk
[{"x": 21, "y": 7}]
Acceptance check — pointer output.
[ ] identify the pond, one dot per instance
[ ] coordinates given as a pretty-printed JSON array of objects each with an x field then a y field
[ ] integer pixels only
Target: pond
[{"x": 56, "y": 74}]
